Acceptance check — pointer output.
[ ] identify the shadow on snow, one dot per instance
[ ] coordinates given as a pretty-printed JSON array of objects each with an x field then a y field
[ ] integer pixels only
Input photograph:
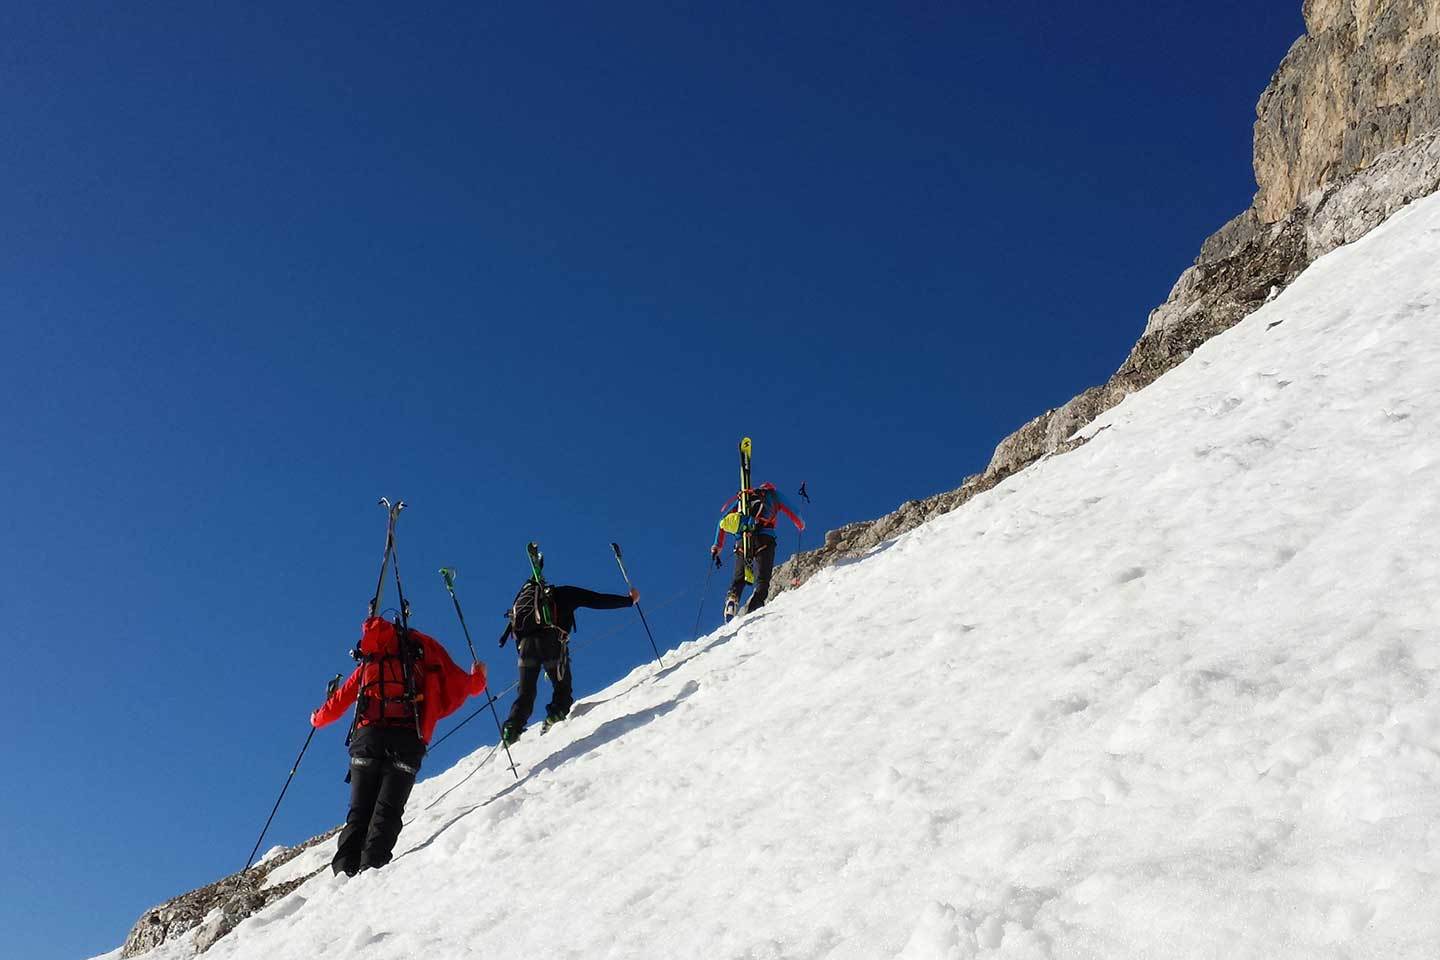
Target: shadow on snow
[{"x": 601, "y": 735}]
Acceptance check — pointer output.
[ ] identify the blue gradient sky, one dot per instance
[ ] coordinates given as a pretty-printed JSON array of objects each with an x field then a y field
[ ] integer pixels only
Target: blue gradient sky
[{"x": 534, "y": 268}]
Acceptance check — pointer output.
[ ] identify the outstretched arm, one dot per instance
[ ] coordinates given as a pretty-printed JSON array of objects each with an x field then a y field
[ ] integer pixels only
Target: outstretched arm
[
  {"x": 573, "y": 597},
  {"x": 719, "y": 543},
  {"x": 338, "y": 702},
  {"x": 786, "y": 509},
  {"x": 453, "y": 684}
]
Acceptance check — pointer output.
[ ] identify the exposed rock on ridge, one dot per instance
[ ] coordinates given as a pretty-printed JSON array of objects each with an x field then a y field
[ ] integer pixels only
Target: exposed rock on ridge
[
  {"x": 1346, "y": 135},
  {"x": 1362, "y": 82},
  {"x": 215, "y": 909}
]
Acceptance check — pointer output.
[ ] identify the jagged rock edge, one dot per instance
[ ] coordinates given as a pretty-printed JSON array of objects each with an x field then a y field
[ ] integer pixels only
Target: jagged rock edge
[
  {"x": 1242, "y": 266},
  {"x": 214, "y": 910}
]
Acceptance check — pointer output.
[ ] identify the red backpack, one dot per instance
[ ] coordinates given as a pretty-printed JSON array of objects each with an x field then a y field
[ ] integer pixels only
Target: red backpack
[{"x": 390, "y": 676}]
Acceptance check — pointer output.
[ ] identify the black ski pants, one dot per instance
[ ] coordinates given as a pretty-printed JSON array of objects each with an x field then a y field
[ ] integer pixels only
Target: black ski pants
[
  {"x": 550, "y": 652},
  {"x": 762, "y": 561},
  {"x": 383, "y": 765}
]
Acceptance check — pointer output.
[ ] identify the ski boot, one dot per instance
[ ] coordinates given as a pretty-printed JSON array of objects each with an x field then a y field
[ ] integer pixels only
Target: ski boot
[
  {"x": 550, "y": 721},
  {"x": 510, "y": 733},
  {"x": 732, "y": 608}
]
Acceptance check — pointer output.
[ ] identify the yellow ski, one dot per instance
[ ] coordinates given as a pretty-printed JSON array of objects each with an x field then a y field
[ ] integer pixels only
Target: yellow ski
[{"x": 745, "y": 493}]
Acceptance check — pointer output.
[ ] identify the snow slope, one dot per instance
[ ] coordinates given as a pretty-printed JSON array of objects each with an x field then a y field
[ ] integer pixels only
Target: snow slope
[{"x": 1173, "y": 694}]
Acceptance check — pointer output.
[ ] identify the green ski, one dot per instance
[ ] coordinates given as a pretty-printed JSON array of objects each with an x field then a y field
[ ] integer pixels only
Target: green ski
[{"x": 537, "y": 573}]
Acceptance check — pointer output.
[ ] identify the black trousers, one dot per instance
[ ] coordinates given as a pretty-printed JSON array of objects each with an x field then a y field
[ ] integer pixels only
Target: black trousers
[
  {"x": 549, "y": 652},
  {"x": 383, "y": 765},
  {"x": 762, "y": 560}
]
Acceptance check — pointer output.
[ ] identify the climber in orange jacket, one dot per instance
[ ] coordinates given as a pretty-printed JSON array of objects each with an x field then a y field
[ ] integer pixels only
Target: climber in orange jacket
[
  {"x": 766, "y": 505},
  {"x": 401, "y": 690}
]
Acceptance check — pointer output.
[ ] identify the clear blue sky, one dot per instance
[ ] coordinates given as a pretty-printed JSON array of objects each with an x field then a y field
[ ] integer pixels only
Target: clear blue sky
[{"x": 534, "y": 268}]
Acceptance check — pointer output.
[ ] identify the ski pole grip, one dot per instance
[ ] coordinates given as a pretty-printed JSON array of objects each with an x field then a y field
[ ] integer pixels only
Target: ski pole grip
[
  {"x": 618, "y": 559},
  {"x": 448, "y": 575}
]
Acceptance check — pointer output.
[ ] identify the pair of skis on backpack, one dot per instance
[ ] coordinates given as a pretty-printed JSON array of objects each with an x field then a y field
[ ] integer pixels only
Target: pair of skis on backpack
[{"x": 732, "y": 603}]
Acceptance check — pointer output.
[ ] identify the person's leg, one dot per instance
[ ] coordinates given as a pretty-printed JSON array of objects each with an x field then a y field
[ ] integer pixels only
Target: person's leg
[
  {"x": 737, "y": 582},
  {"x": 764, "y": 563},
  {"x": 365, "y": 780},
  {"x": 398, "y": 778},
  {"x": 558, "y": 670},
  {"x": 525, "y": 695}
]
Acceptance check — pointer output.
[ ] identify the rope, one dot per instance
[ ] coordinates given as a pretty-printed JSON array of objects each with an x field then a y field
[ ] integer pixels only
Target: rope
[
  {"x": 495, "y": 698},
  {"x": 493, "y": 751}
]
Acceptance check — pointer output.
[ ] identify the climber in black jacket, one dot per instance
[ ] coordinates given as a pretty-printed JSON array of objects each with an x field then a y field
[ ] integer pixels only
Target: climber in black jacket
[{"x": 541, "y": 620}]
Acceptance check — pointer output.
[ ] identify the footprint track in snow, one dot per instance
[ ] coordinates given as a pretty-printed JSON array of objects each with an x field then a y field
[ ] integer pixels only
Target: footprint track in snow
[{"x": 1130, "y": 574}]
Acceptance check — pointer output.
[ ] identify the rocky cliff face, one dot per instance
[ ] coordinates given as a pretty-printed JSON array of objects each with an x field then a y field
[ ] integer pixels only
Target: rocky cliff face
[
  {"x": 1348, "y": 131},
  {"x": 1362, "y": 82}
]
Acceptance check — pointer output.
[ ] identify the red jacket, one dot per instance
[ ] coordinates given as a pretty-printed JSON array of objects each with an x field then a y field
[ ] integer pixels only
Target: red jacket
[{"x": 441, "y": 685}]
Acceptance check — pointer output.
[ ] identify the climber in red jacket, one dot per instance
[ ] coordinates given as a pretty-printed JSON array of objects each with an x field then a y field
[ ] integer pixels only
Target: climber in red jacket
[{"x": 401, "y": 690}]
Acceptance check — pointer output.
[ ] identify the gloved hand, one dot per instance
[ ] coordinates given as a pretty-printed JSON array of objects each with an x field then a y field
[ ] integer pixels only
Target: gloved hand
[
  {"x": 314, "y": 715},
  {"x": 715, "y": 554},
  {"x": 634, "y": 595},
  {"x": 479, "y": 677}
]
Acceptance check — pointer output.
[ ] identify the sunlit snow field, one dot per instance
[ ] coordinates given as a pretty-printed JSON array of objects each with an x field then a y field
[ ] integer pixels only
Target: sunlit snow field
[{"x": 1170, "y": 695}]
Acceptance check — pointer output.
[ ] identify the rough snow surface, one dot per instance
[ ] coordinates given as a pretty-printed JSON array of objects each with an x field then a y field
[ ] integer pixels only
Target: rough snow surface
[{"x": 1171, "y": 695}]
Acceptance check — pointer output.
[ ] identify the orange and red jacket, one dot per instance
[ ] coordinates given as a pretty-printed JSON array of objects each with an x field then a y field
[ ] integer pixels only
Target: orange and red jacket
[{"x": 441, "y": 686}]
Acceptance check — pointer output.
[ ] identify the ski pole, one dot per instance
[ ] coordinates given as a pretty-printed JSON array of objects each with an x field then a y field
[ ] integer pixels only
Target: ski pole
[
  {"x": 329, "y": 692},
  {"x": 448, "y": 575},
  {"x": 701, "y": 609},
  {"x": 799, "y": 538},
  {"x": 616, "y": 547}
]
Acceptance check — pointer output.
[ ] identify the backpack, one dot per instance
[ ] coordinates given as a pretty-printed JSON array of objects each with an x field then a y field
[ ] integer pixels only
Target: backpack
[
  {"x": 533, "y": 610},
  {"x": 383, "y": 698}
]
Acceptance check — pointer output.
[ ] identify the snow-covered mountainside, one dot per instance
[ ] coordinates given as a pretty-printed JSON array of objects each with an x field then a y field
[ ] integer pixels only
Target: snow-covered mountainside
[{"x": 1173, "y": 694}]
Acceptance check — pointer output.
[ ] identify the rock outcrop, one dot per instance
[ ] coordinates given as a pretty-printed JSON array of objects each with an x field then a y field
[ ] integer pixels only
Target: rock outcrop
[
  {"x": 1348, "y": 132},
  {"x": 1361, "y": 82},
  {"x": 213, "y": 911}
]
